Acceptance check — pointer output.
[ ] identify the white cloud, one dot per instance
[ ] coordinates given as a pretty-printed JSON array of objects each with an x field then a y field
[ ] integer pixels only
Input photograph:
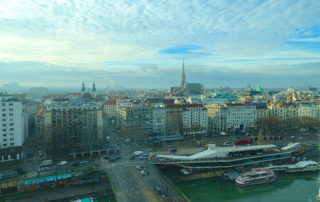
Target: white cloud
[{"x": 84, "y": 33}]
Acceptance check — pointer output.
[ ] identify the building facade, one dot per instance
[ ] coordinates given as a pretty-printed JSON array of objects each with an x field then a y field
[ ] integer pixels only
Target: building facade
[
  {"x": 12, "y": 125},
  {"x": 217, "y": 118},
  {"x": 69, "y": 127},
  {"x": 195, "y": 119},
  {"x": 240, "y": 116},
  {"x": 143, "y": 121}
]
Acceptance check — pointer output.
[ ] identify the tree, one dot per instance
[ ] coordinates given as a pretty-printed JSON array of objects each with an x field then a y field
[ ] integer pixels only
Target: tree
[
  {"x": 307, "y": 123},
  {"x": 273, "y": 123}
]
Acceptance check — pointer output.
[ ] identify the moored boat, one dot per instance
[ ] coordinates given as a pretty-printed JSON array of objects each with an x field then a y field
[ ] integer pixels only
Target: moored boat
[{"x": 258, "y": 176}]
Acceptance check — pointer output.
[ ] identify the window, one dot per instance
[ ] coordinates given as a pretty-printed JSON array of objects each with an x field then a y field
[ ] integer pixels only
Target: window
[
  {"x": 11, "y": 144},
  {"x": 11, "y": 109},
  {"x": 11, "y": 114},
  {"x": 4, "y": 145},
  {"x": 10, "y": 104},
  {"x": 11, "y": 129},
  {"x": 4, "y": 140},
  {"x": 11, "y": 139}
]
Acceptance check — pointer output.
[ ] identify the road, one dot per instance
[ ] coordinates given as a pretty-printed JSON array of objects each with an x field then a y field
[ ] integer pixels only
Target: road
[
  {"x": 130, "y": 185},
  {"x": 124, "y": 185}
]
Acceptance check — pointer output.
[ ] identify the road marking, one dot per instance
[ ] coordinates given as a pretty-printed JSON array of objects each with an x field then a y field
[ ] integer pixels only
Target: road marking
[{"x": 148, "y": 194}]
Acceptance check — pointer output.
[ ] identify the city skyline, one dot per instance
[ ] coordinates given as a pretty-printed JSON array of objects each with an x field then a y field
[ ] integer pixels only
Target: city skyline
[{"x": 135, "y": 44}]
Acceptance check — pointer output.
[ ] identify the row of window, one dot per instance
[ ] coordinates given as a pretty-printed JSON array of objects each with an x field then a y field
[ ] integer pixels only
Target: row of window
[
  {"x": 11, "y": 144},
  {"x": 5, "y": 130},
  {"x": 4, "y": 104},
  {"x": 4, "y": 134},
  {"x": 11, "y": 139},
  {"x": 4, "y": 109},
  {"x": 4, "y": 125},
  {"x": 4, "y": 120},
  {"x": 4, "y": 115}
]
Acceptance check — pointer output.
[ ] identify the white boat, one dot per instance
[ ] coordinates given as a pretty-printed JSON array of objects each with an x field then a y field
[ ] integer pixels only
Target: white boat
[{"x": 258, "y": 176}]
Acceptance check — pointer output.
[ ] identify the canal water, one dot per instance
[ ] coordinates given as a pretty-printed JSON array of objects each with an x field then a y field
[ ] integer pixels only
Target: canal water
[{"x": 286, "y": 188}]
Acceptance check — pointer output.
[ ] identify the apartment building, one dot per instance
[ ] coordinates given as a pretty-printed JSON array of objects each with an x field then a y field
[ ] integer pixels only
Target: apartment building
[
  {"x": 194, "y": 119},
  {"x": 73, "y": 127},
  {"x": 217, "y": 118},
  {"x": 240, "y": 116},
  {"x": 12, "y": 125}
]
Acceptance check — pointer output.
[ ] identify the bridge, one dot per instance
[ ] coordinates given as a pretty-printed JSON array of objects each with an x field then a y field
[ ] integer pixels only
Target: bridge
[{"x": 129, "y": 184}]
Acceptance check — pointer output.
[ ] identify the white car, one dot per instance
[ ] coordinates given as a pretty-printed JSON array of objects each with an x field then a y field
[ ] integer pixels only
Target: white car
[
  {"x": 143, "y": 172},
  {"x": 61, "y": 163},
  {"x": 44, "y": 168},
  {"x": 137, "y": 153}
]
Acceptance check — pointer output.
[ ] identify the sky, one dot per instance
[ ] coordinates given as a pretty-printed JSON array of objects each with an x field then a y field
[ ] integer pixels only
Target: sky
[{"x": 141, "y": 44}]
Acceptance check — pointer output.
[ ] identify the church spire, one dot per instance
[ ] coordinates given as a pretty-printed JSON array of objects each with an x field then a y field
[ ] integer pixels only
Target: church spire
[
  {"x": 83, "y": 87},
  {"x": 183, "y": 79},
  {"x": 93, "y": 87}
]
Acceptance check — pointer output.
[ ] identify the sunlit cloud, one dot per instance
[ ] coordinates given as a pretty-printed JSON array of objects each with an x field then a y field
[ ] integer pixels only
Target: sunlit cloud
[{"x": 120, "y": 35}]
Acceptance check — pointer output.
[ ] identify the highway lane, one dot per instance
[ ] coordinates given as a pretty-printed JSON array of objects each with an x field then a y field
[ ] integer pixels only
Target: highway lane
[
  {"x": 156, "y": 180},
  {"x": 124, "y": 185}
]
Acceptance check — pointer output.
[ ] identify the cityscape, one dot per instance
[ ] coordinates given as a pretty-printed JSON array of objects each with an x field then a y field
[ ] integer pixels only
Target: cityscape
[{"x": 159, "y": 101}]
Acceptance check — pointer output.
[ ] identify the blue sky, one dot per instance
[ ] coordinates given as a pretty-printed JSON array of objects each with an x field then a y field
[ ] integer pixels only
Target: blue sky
[{"x": 142, "y": 43}]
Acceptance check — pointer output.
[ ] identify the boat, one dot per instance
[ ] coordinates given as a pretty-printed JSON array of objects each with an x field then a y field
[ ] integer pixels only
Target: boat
[{"x": 259, "y": 176}]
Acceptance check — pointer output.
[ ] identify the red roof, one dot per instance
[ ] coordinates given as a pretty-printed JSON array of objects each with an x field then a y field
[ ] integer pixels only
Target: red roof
[{"x": 111, "y": 102}]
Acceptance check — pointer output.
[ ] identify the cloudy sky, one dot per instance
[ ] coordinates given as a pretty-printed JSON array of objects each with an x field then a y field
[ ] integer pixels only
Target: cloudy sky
[{"x": 142, "y": 43}]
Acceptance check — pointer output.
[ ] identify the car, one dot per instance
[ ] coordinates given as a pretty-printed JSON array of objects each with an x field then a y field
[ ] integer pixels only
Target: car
[
  {"x": 137, "y": 153},
  {"x": 62, "y": 163},
  {"x": 143, "y": 172},
  {"x": 228, "y": 143},
  {"x": 44, "y": 168},
  {"x": 20, "y": 171},
  {"x": 131, "y": 157},
  {"x": 76, "y": 164},
  {"x": 138, "y": 167},
  {"x": 158, "y": 190},
  {"x": 114, "y": 159},
  {"x": 84, "y": 162}
]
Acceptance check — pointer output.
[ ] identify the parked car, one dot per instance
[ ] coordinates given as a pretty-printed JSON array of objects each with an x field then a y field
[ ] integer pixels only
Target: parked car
[
  {"x": 114, "y": 159},
  {"x": 44, "y": 168},
  {"x": 84, "y": 162},
  {"x": 228, "y": 143},
  {"x": 61, "y": 163}
]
